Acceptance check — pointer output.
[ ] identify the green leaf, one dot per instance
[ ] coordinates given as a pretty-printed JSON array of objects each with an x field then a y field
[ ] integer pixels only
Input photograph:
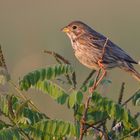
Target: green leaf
[
  {"x": 52, "y": 128},
  {"x": 79, "y": 97},
  {"x": 75, "y": 98},
  {"x": 94, "y": 115},
  {"x": 79, "y": 111},
  {"x": 49, "y": 73},
  {"x": 71, "y": 100},
  {"x": 21, "y": 107},
  {"x": 4, "y": 104},
  {"x": 55, "y": 91},
  {"x": 114, "y": 110},
  {"x": 10, "y": 133},
  {"x": 3, "y": 125},
  {"x": 24, "y": 114},
  {"x": 136, "y": 99}
]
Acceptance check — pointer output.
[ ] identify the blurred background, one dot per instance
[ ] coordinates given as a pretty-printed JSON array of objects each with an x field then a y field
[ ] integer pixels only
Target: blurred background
[{"x": 30, "y": 26}]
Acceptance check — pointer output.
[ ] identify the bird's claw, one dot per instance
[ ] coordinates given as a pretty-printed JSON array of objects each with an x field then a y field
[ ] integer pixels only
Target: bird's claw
[
  {"x": 91, "y": 89},
  {"x": 100, "y": 63}
]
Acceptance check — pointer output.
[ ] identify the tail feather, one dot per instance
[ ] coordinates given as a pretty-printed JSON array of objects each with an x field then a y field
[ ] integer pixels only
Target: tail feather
[
  {"x": 128, "y": 67},
  {"x": 135, "y": 74}
]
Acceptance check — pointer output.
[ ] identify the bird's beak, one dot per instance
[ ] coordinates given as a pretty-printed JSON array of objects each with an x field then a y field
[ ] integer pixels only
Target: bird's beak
[{"x": 65, "y": 30}]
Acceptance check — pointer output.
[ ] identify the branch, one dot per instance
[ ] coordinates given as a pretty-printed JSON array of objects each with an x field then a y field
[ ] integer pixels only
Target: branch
[
  {"x": 137, "y": 115},
  {"x": 129, "y": 99},
  {"x": 101, "y": 131},
  {"x": 88, "y": 78},
  {"x": 96, "y": 83},
  {"x": 83, "y": 120},
  {"x": 57, "y": 56},
  {"x": 22, "y": 95},
  {"x": 2, "y": 60},
  {"x": 130, "y": 134},
  {"x": 61, "y": 59},
  {"x": 121, "y": 93},
  {"x": 119, "y": 100}
]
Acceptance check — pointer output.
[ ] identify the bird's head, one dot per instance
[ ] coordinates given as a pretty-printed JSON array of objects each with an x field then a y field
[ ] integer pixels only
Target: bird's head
[{"x": 76, "y": 29}]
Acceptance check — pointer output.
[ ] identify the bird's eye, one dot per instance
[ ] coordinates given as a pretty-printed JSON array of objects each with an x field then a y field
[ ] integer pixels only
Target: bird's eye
[{"x": 74, "y": 27}]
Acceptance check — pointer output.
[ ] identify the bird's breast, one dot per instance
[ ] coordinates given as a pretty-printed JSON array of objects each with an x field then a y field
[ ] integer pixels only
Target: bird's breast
[{"x": 85, "y": 55}]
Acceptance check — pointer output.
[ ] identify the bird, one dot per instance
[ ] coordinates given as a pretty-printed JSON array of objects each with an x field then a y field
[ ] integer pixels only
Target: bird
[{"x": 96, "y": 51}]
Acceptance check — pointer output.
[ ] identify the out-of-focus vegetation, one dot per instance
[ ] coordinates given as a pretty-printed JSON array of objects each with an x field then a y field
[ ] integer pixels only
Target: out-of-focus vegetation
[{"x": 91, "y": 112}]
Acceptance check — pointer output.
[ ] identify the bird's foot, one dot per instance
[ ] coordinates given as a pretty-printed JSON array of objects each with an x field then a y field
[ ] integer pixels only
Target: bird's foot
[
  {"x": 100, "y": 63},
  {"x": 91, "y": 89}
]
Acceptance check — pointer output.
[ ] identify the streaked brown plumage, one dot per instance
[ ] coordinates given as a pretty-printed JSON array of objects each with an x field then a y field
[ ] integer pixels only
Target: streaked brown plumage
[{"x": 88, "y": 47}]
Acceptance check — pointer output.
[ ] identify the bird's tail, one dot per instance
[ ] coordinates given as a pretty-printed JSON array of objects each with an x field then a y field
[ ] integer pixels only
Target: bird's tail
[
  {"x": 135, "y": 74},
  {"x": 130, "y": 69}
]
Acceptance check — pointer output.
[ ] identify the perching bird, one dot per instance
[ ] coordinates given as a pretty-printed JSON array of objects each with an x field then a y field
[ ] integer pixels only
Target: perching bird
[{"x": 95, "y": 51}]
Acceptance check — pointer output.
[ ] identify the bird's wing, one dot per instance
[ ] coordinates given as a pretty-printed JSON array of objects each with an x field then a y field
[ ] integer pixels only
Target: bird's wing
[{"x": 113, "y": 50}]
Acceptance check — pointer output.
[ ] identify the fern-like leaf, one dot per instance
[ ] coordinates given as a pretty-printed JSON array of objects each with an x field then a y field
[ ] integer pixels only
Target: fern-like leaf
[
  {"x": 136, "y": 99},
  {"x": 23, "y": 113},
  {"x": 114, "y": 110},
  {"x": 49, "y": 73},
  {"x": 52, "y": 129},
  {"x": 11, "y": 133},
  {"x": 53, "y": 90}
]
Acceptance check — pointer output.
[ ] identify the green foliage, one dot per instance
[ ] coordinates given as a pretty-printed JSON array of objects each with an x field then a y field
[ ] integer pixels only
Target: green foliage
[
  {"x": 75, "y": 98},
  {"x": 49, "y": 129},
  {"x": 10, "y": 133},
  {"x": 24, "y": 122},
  {"x": 114, "y": 110},
  {"x": 94, "y": 115},
  {"x": 32, "y": 123},
  {"x": 136, "y": 99},
  {"x": 18, "y": 110},
  {"x": 49, "y": 73},
  {"x": 55, "y": 91}
]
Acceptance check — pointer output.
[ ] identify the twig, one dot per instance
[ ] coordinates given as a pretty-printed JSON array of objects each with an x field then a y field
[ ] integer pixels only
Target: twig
[
  {"x": 83, "y": 120},
  {"x": 58, "y": 56},
  {"x": 119, "y": 100},
  {"x": 98, "y": 128},
  {"x": 7, "y": 125},
  {"x": 74, "y": 79},
  {"x": 131, "y": 133},
  {"x": 137, "y": 115},
  {"x": 88, "y": 78},
  {"x": 121, "y": 93},
  {"x": 101, "y": 131},
  {"x": 129, "y": 99},
  {"x": 23, "y": 96},
  {"x": 2, "y": 60},
  {"x": 105, "y": 128},
  {"x": 61, "y": 59},
  {"x": 13, "y": 124}
]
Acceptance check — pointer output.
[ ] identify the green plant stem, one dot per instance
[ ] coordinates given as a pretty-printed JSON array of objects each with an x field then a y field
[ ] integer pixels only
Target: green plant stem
[
  {"x": 13, "y": 124},
  {"x": 88, "y": 78},
  {"x": 131, "y": 133},
  {"x": 9, "y": 125},
  {"x": 129, "y": 99},
  {"x": 23, "y": 96},
  {"x": 119, "y": 100},
  {"x": 137, "y": 115}
]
